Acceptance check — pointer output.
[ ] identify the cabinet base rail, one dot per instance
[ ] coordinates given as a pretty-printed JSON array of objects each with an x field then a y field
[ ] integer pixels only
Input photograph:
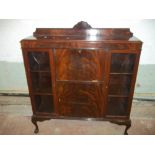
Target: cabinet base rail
[{"x": 125, "y": 122}]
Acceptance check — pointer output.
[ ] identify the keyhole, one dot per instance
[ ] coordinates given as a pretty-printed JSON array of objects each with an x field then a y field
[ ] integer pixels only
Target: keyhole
[{"x": 80, "y": 51}]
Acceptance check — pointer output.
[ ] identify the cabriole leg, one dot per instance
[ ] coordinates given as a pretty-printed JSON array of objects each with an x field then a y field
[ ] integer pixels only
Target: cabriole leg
[
  {"x": 128, "y": 125},
  {"x": 34, "y": 121}
]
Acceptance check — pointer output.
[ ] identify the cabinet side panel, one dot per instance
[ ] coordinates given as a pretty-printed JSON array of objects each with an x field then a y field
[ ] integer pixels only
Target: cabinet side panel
[{"x": 135, "y": 71}]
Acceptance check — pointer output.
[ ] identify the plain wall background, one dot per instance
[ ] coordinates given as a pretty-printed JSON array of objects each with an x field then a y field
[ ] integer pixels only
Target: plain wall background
[
  {"x": 12, "y": 31},
  {"x": 12, "y": 73},
  {"x": 97, "y": 10}
]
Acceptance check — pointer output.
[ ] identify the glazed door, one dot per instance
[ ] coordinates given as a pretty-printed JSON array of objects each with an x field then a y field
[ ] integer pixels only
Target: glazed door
[
  {"x": 80, "y": 75},
  {"x": 38, "y": 64},
  {"x": 122, "y": 66}
]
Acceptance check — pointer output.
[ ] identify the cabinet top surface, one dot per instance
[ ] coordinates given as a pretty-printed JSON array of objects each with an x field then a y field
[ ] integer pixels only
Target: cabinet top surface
[
  {"x": 79, "y": 38},
  {"x": 82, "y": 31}
]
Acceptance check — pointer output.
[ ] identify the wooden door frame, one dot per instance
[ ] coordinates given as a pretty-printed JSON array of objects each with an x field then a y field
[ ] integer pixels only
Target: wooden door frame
[{"x": 133, "y": 79}]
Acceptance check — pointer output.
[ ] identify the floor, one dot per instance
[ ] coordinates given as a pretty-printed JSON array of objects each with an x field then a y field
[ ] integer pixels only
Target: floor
[{"x": 15, "y": 119}]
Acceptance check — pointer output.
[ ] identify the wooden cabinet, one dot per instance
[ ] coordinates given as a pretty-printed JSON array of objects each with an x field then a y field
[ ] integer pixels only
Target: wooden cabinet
[{"x": 81, "y": 73}]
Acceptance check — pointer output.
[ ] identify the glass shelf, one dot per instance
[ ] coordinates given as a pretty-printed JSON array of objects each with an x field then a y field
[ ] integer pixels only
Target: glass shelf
[{"x": 121, "y": 73}]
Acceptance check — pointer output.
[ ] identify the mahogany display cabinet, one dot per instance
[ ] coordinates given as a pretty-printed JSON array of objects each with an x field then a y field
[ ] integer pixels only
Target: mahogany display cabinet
[{"x": 81, "y": 73}]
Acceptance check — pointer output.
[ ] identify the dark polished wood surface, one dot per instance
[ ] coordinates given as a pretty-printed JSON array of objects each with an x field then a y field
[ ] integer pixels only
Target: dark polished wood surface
[
  {"x": 82, "y": 73},
  {"x": 80, "y": 100},
  {"x": 83, "y": 65}
]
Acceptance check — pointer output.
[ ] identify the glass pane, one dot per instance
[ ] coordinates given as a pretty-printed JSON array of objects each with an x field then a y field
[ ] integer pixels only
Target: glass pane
[
  {"x": 44, "y": 103},
  {"x": 119, "y": 84},
  {"x": 80, "y": 64},
  {"x": 41, "y": 82},
  {"x": 122, "y": 63},
  {"x": 39, "y": 61},
  {"x": 117, "y": 106}
]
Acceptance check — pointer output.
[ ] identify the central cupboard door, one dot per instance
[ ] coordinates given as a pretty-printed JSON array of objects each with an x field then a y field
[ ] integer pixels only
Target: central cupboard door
[{"x": 80, "y": 82}]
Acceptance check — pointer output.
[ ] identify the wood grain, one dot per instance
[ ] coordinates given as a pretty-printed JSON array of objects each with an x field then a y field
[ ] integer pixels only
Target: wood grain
[
  {"x": 91, "y": 73},
  {"x": 87, "y": 65},
  {"x": 80, "y": 100}
]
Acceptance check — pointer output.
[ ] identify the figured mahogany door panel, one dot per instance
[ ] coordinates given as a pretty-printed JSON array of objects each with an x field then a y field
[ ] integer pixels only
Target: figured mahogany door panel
[
  {"x": 122, "y": 62},
  {"x": 39, "y": 61},
  {"x": 80, "y": 100},
  {"x": 119, "y": 84},
  {"x": 117, "y": 106},
  {"x": 79, "y": 64},
  {"x": 44, "y": 103}
]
